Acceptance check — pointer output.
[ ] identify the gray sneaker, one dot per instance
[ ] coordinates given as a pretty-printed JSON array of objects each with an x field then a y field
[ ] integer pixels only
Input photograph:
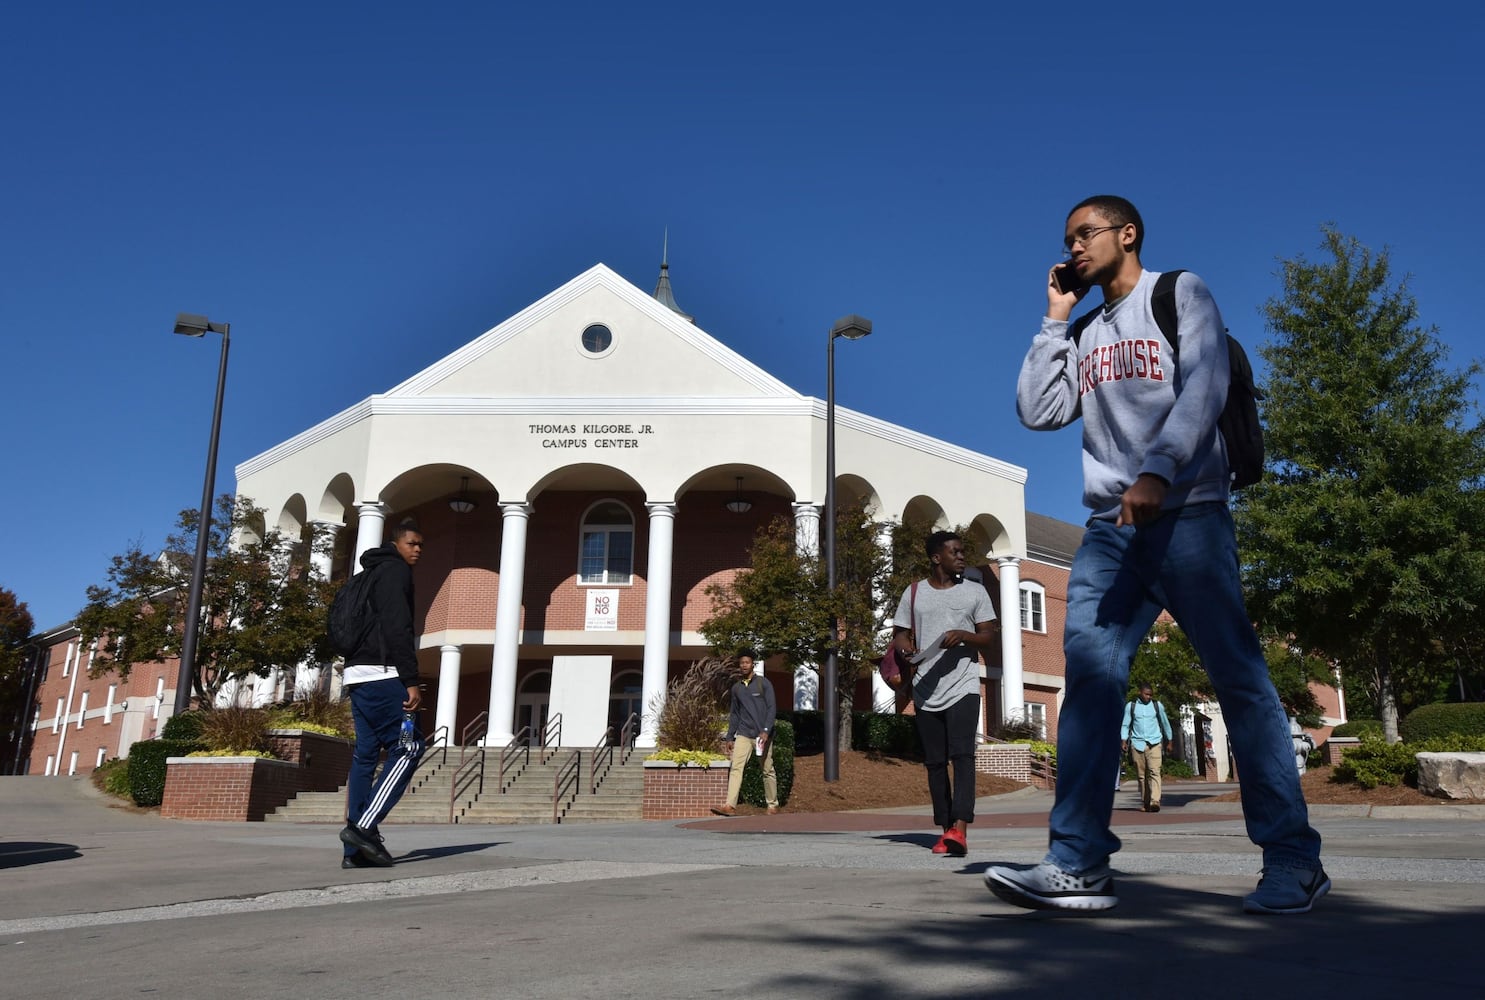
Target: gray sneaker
[
  {"x": 1282, "y": 889},
  {"x": 1047, "y": 887}
]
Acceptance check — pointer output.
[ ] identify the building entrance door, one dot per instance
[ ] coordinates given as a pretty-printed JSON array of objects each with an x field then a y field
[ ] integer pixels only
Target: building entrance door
[{"x": 533, "y": 705}]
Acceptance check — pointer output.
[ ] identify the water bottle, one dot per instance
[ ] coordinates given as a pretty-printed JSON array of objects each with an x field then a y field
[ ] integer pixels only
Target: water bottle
[{"x": 409, "y": 738}]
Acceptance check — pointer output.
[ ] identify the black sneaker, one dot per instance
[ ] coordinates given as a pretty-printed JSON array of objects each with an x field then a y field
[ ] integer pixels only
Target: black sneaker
[
  {"x": 355, "y": 861},
  {"x": 369, "y": 845},
  {"x": 1047, "y": 887}
]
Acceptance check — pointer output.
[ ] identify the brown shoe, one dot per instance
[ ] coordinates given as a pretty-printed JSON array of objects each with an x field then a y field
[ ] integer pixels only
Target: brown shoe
[
  {"x": 725, "y": 810},
  {"x": 772, "y": 810}
]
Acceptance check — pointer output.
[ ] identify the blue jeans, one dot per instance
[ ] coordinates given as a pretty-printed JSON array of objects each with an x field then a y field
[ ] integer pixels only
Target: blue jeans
[
  {"x": 376, "y": 707},
  {"x": 1121, "y": 578}
]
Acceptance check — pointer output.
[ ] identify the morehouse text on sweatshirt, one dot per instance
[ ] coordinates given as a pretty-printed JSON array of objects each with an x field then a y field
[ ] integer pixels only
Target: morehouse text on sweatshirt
[{"x": 1145, "y": 408}]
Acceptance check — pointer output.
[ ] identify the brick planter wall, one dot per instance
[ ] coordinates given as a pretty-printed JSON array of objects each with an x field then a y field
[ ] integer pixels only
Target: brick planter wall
[
  {"x": 1337, "y": 745},
  {"x": 324, "y": 761},
  {"x": 674, "y": 792},
  {"x": 230, "y": 789},
  {"x": 1005, "y": 760}
]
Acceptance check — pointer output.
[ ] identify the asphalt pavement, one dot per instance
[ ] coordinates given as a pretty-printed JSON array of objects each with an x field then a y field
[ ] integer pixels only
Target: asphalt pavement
[{"x": 102, "y": 901}]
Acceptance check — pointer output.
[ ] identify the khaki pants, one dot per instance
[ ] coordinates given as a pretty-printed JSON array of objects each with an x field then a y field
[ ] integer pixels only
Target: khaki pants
[
  {"x": 742, "y": 749},
  {"x": 1147, "y": 767}
]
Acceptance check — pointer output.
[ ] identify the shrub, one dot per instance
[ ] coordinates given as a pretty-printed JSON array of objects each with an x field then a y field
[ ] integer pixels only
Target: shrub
[
  {"x": 1175, "y": 767},
  {"x": 883, "y": 733},
  {"x": 1366, "y": 729},
  {"x": 235, "y": 728},
  {"x": 185, "y": 726},
  {"x": 317, "y": 712},
  {"x": 783, "y": 766},
  {"x": 112, "y": 777},
  {"x": 686, "y": 758},
  {"x": 809, "y": 730},
  {"x": 229, "y": 752},
  {"x": 1375, "y": 762},
  {"x": 695, "y": 712},
  {"x": 1041, "y": 748},
  {"x": 1016, "y": 729},
  {"x": 147, "y": 767},
  {"x": 1435, "y": 721}
]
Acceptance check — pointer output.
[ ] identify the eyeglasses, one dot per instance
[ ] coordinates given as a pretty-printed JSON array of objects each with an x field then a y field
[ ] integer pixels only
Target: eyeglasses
[{"x": 1082, "y": 236}]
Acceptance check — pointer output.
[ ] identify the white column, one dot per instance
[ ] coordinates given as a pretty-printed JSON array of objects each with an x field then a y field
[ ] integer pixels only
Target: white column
[
  {"x": 369, "y": 534},
  {"x": 448, "y": 690},
  {"x": 807, "y": 538},
  {"x": 310, "y": 676},
  {"x": 514, "y": 519},
  {"x": 807, "y": 528},
  {"x": 1012, "y": 686},
  {"x": 657, "y": 621},
  {"x": 883, "y": 698}
]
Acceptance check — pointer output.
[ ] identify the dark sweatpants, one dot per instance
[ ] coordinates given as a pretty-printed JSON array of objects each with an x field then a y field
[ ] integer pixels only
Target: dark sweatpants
[{"x": 949, "y": 737}]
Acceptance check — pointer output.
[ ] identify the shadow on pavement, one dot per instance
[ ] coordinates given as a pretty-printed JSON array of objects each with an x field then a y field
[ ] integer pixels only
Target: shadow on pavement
[
  {"x": 431, "y": 853},
  {"x": 27, "y": 852},
  {"x": 1160, "y": 941}
]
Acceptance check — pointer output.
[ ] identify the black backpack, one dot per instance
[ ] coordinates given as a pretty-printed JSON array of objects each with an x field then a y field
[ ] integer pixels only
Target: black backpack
[
  {"x": 1238, "y": 422},
  {"x": 351, "y": 616}
]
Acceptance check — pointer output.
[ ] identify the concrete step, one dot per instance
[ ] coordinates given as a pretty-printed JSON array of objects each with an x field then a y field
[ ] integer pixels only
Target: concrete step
[{"x": 526, "y": 799}]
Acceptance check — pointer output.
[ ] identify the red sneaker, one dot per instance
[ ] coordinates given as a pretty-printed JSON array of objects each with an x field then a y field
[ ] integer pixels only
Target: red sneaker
[
  {"x": 955, "y": 843},
  {"x": 942, "y": 847}
]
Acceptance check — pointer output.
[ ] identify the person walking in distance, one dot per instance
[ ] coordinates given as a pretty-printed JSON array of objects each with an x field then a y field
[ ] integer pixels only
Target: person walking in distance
[
  {"x": 750, "y": 720},
  {"x": 1145, "y": 728},
  {"x": 954, "y": 618},
  {"x": 381, "y": 680},
  {"x": 1156, "y": 477}
]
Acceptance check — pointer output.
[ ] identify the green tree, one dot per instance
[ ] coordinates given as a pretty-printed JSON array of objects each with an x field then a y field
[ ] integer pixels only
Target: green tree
[
  {"x": 1362, "y": 543},
  {"x": 261, "y": 606},
  {"x": 15, "y": 628},
  {"x": 780, "y": 604},
  {"x": 1168, "y": 663}
]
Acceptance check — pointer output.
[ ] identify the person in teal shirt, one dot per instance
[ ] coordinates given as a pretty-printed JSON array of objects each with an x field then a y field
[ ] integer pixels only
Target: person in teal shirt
[{"x": 1144, "y": 729}]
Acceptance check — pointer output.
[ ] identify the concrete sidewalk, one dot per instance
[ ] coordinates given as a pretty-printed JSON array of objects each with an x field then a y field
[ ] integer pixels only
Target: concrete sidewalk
[{"x": 100, "y": 901}]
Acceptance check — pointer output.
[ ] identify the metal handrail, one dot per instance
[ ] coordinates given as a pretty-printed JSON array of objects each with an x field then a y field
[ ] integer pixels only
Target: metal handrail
[
  {"x": 519, "y": 745},
  {"x": 474, "y": 732},
  {"x": 603, "y": 752},
  {"x": 568, "y": 776},
  {"x": 547, "y": 741},
  {"x": 438, "y": 742},
  {"x": 627, "y": 736},
  {"x": 468, "y": 772}
]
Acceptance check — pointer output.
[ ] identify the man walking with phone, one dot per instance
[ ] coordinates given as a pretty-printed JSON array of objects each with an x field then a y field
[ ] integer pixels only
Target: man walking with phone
[{"x": 1156, "y": 478}]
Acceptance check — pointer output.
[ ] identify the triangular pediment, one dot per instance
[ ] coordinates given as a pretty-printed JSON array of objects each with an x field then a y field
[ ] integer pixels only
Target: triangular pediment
[{"x": 651, "y": 352}]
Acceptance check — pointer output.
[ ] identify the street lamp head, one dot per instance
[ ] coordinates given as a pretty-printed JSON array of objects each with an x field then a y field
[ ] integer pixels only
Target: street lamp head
[
  {"x": 851, "y": 327},
  {"x": 192, "y": 325}
]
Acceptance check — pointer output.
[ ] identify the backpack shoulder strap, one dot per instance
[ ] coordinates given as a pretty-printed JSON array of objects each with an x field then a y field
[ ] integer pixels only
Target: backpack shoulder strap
[
  {"x": 1075, "y": 331},
  {"x": 1163, "y": 305}
]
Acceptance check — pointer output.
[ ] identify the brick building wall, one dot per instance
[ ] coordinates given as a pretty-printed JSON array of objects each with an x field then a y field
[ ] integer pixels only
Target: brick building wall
[
  {"x": 78, "y": 721},
  {"x": 227, "y": 789}
]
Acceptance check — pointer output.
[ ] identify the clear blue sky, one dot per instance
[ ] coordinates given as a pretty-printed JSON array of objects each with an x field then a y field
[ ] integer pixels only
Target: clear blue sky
[{"x": 361, "y": 188}]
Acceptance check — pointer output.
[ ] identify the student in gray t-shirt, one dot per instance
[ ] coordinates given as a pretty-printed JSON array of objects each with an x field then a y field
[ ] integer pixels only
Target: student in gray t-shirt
[{"x": 956, "y": 617}]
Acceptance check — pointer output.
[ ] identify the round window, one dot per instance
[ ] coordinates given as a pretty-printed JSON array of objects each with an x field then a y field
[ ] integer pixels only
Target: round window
[{"x": 597, "y": 339}]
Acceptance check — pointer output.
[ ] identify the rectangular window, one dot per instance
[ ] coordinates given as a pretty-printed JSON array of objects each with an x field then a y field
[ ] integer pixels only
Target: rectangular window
[
  {"x": 72, "y": 763},
  {"x": 1036, "y": 714},
  {"x": 606, "y": 556},
  {"x": 99, "y": 761},
  {"x": 1033, "y": 610},
  {"x": 50, "y": 760},
  {"x": 57, "y": 719},
  {"x": 82, "y": 711},
  {"x": 108, "y": 709},
  {"x": 159, "y": 695}
]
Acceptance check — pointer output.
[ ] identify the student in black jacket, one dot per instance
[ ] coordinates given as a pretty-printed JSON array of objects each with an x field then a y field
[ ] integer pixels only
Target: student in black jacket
[{"x": 381, "y": 680}]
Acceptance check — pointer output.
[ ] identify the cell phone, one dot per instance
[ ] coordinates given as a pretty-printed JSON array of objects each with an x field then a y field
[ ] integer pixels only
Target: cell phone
[{"x": 1067, "y": 279}]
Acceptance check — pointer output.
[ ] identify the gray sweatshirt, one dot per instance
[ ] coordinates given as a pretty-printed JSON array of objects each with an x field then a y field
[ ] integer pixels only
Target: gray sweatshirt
[{"x": 1141, "y": 411}]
